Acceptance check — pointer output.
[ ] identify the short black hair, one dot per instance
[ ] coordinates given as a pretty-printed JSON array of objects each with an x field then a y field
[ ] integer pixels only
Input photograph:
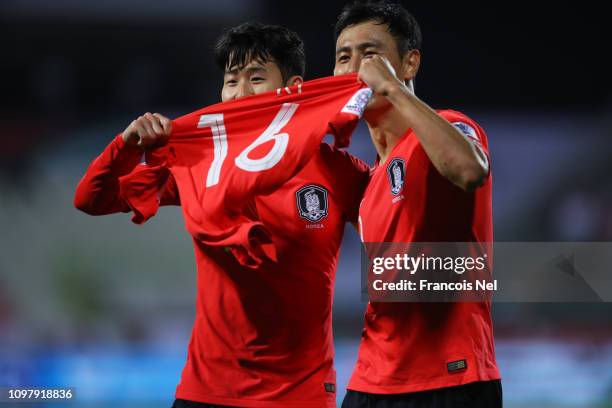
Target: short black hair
[
  {"x": 264, "y": 43},
  {"x": 402, "y": 25}
]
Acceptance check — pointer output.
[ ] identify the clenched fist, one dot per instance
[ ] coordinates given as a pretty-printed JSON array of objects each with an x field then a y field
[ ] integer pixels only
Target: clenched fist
[
  {"x": 378, "y": 73},
  {"x": 148, "y": 131}
]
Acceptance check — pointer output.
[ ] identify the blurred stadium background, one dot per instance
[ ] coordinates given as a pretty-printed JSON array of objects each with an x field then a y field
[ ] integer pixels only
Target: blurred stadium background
[{"x": 106, "y": 306}]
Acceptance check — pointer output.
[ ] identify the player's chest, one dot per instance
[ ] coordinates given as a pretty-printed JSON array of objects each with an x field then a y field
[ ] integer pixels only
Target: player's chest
[
  {"x": 396, "y": 187},
  {"x": 305, "y": 206}
]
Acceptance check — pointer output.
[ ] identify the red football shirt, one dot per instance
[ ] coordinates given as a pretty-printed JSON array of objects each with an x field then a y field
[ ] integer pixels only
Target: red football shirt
[
  {"x": 262, "y": 333},
  {"x": 262, "y": 337},
  {"x": 405, "y": 347},
  {"x": 223, "y": 155}
]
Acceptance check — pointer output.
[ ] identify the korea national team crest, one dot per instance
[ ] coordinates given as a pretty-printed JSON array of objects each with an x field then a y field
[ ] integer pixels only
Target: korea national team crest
[
  {"x": 312, "y": 202},
  {"x": 396, "y": 172}
]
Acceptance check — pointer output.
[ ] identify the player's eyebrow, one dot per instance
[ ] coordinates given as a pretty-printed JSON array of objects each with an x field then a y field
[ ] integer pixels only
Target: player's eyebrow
[
  {"x": 369, "y": 44},
  {"x": 249, "y": 69},
  {"x": 340, "y": 50},
  {"x": 361, "y": 47}
]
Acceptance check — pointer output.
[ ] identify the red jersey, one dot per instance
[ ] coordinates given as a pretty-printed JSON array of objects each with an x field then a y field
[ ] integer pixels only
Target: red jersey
[
  {"x": 262, "y": 335},
  {"x": 410, "y": 347},
  {"x": 223, "y": 155}
]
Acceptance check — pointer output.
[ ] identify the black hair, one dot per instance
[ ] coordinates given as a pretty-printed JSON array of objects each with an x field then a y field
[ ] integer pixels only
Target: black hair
[
  {"x": 402, "y": 25},
  {"x": 264, "y": 43}
]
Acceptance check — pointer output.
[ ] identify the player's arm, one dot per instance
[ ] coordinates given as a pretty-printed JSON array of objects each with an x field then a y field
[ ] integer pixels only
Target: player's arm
[
  {"x": 98, "y": 192},
  {"x": 452, "y": 154}
]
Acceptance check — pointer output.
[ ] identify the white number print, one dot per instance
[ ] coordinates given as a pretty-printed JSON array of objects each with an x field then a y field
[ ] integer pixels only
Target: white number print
[
  {"x": 277, "y": 151},
  {"x": 216, "y": 125},
  {"x": 281, "y": 140}
]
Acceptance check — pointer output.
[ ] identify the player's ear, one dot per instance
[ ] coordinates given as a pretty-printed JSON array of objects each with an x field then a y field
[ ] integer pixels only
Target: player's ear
[
  {"x": 410, "y": 64},
  {"x": 294, "y": 80}
]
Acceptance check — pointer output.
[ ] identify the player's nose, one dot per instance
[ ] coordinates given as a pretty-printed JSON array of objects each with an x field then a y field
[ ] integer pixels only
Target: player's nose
[
  {"x": 353, "y": 65},
  {"x": 244, "y": 89}
]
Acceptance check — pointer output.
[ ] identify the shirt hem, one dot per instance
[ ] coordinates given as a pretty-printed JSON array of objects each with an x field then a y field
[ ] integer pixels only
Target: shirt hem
[
  {"x": 239, "y": 402},
  {"x": 360, "y": 386}
]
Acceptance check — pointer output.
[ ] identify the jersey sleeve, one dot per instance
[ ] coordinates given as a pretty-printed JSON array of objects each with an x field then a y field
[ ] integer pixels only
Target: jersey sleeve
[
  {"x": 470, "y": 129},
  {"x": 352, "y": 176},
  {"x": 147, "y": 188},
  {"x": 99, "y": 191}
]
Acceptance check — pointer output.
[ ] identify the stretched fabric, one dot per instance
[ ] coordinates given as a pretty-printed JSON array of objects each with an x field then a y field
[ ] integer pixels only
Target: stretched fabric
[{"x": 222, "y": 156}]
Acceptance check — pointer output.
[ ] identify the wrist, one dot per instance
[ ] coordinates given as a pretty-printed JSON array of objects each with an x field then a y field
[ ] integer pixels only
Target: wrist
[{"x": 394, "y": 89}]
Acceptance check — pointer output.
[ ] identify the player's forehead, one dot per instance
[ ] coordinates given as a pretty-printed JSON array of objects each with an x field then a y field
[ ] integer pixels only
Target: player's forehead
[{"x": 363, "y": 35}]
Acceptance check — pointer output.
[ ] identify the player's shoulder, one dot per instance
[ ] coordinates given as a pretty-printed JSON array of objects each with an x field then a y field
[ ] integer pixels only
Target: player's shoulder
[
  {"x": 456, "y": 116},
  {"x": 452, "y": 113},
  {"x": 465, "y": 124},
  {"x": 342, "y": 160}
]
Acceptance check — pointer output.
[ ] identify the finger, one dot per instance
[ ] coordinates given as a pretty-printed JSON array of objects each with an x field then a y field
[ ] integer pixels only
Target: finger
[
  {"x": 153, "y": 124},
  {"x": 360, "y": 74},
  {"x": 157, "y": 126},
  {"x": 146, "y": 124},
  {"x": 146, "y": 132},
  {"x": 165, "y": 122},
  {"x": 144, "y": 140},
  {"x": 138, "y": 129}
]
